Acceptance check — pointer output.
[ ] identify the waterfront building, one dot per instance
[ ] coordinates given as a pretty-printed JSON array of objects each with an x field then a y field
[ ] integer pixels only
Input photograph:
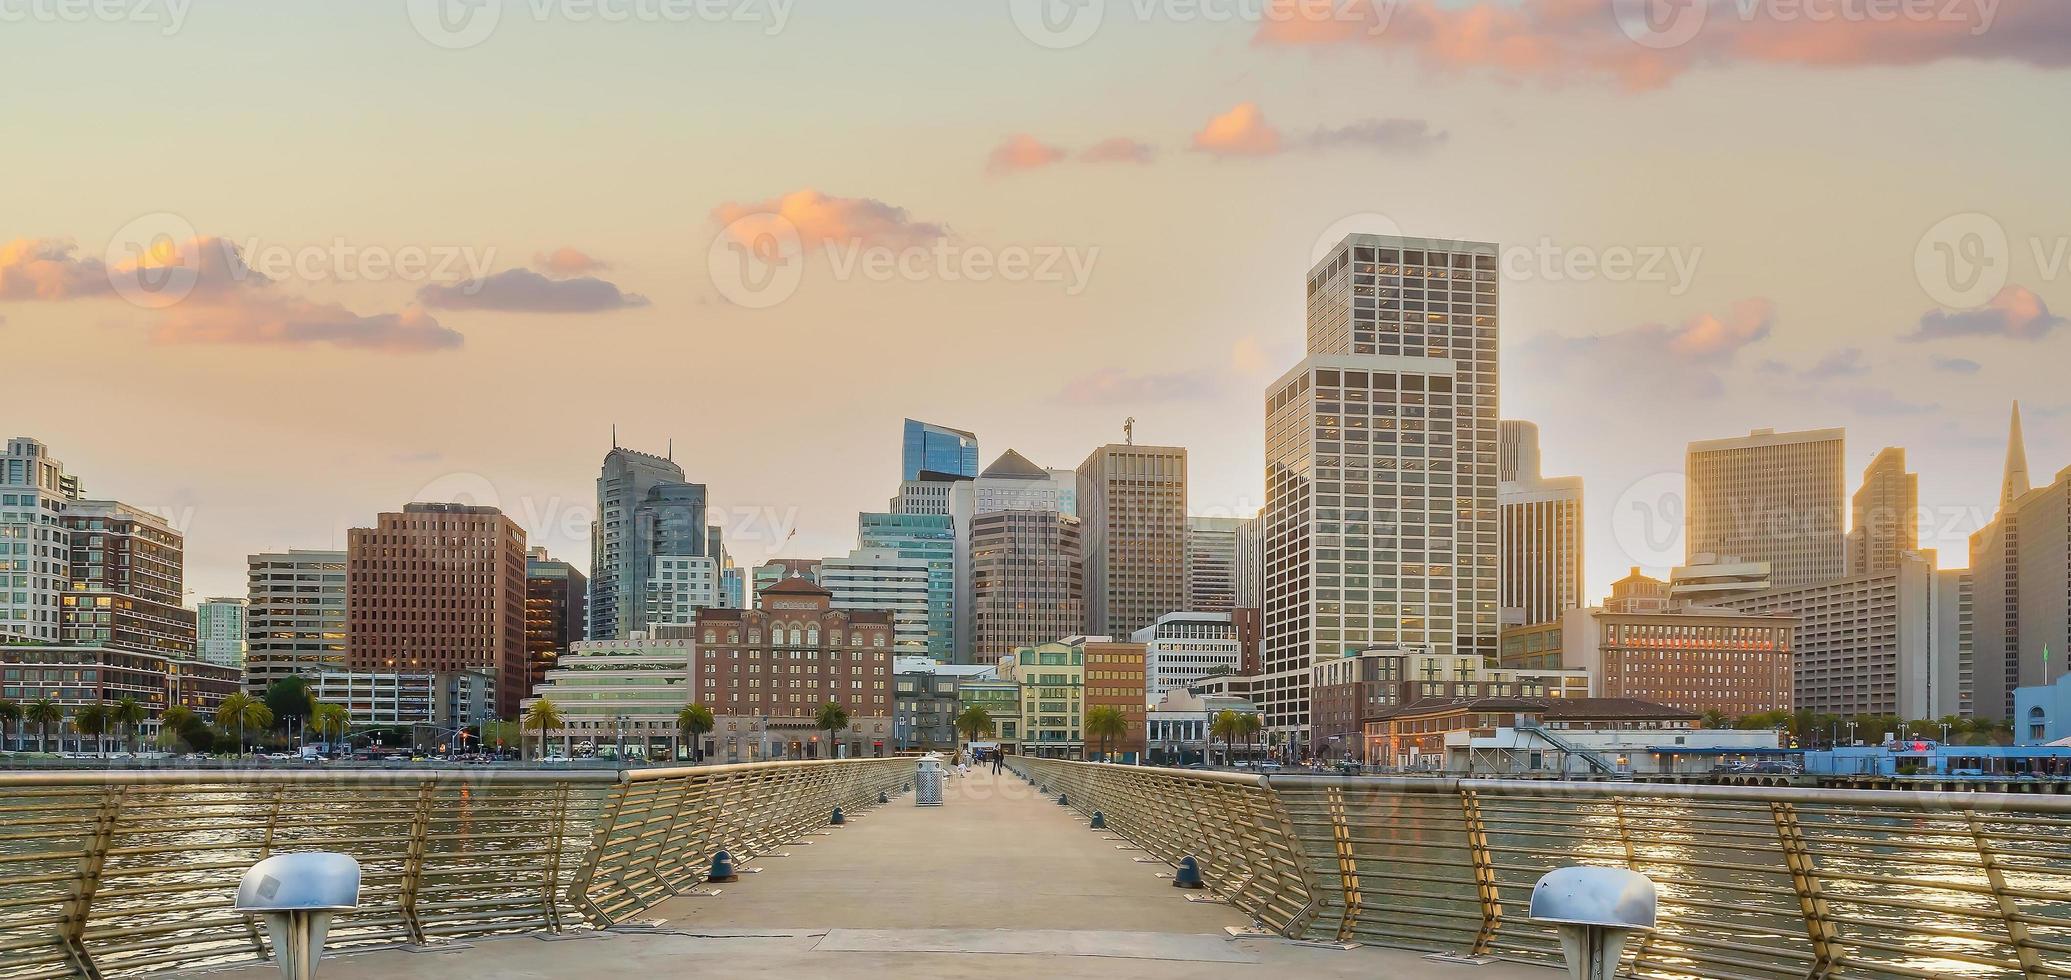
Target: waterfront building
[
  {"x": 1555, "y": 737},
  {"x": 624, "y": 692},
  {"x": 76, "y": 676},
  {"x": 1211, "y": 563},
  {"x": 1181, "y": 648},
  {"x": 439, "y": 588},
  {"x": 1180, "y": 727},
  {"x": 1865, "y": 644},
  {"x": 219, "y": 631},
  {"x": 1380, "y": 524},
  {"x": 1346, "y": 691},
  {"x": 1132, "y": 510},
  {"x": 1884, "y": 526},
  {"x": 127, "y": 581},
  {"x": 35, "y": 547},
  {"x": 766, "y": 672},
  {"x": 556, "y": 609},
  {"x": 295, "y": 619},
  {"x": 1052, "y": 677},
  {"x": 448, "y": 701},
  {"x": 1694, "y": 659},
  {"x": 929, "y": 448},
  {"x": 930, "y": 538},
  {"x": 1771, "y": 497}
]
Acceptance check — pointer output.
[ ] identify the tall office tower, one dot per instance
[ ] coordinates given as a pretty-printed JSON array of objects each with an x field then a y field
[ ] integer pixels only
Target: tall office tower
[
  {"x": 2021, "y": 587},
  {"x": 1212, "y": 563},
  {"x": 556, "y": 596},
  {"x": 930, "y": 538},
  {"x": 1773, "y": 497},
  {"x": 219, "y": 628},
  {"x": 1517, "y": 455},
  {"x": 927, "y": 448},
  {"x": 1885, "y": 525},
  {"x": 128, "y": 582},
  {"x": 618, "y": 548},
  {"x": 1020, "y": 579},
  {"x": 1067, "y": 482},
  {"x": 295, "y": 620},
  {"x": 1866, "y": 644},
  {"x": 1133, "y": 528},
  {"x": 1381, "y": 454},
  {"x": 1251, "y": 566},
  {"x": 1541, "y": 538},
  {"x": 1954, "y": 627},
  {"x": 439, "y": 588},
  {"x": 881, "y": 579},
  {"x": 35, "y": 548}
]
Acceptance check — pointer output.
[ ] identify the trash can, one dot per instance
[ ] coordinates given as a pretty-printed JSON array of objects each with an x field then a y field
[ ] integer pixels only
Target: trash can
[{"x": 927, "y": 783}]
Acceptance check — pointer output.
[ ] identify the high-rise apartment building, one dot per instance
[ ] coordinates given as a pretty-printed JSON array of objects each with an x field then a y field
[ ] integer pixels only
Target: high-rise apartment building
[
  {"x": 1212, "y": 563},
  {"x": 439, "y": 588},
  {"x": 127, "y": 581},
  {"x": 929, "y": 448},
  {"x": 1020, "y": 578},
  {"x": 881, "y": 579},
  {"x": 930, "y": 538},
  {"x": 1380, "y": 524},
  {"x": 35, "y": 547},
  {"x": 1866, "y": 644},
  {"x": 2021, "y": 587},
  {"x": 295, "y": 620},
  {"x": 1132, "y": 509},
  {"x": 1697, "y": 660},
  {"x": 556, "y": 599},
  {"x": 219, "y": 631},
  {"x": 1772, "y": 497},
  {"x": 1884, "y": 526},
  {"x": 1540, "y": 541},
  {"x": 619, "y": 546}
]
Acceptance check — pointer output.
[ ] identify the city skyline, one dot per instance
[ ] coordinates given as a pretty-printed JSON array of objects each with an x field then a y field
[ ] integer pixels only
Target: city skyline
[{"x": 1804, "y": 306}]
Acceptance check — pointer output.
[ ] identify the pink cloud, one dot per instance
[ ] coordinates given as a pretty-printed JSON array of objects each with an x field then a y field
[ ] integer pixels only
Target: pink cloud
[
  {"x": 267, "y": 320},
  {"x": 565, "y": 261},
  {"x": 816, "y": 219},
  {"x": 2015, "y": 313},
  {"x": 1242, "y": 131},
  {"x": 1021, "y": 152},
  {"x": 1566, "y": 40},
  {"x": 1119, "y": 149}
]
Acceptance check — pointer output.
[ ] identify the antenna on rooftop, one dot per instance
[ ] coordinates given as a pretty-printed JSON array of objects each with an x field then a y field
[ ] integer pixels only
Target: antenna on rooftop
[{"x": 1129, "y": 430}]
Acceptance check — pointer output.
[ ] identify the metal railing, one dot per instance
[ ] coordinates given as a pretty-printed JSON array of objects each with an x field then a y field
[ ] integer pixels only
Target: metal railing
[
  {"x": 118, "y": 873},
  {"x": 1755, "y": 882}
]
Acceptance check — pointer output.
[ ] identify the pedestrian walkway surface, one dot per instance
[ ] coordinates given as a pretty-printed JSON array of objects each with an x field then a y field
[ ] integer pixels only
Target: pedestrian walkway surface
[{"x": 997, "y": 877}]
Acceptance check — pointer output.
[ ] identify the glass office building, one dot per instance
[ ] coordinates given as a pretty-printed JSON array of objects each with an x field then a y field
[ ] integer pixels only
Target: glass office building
[
  {"x": 937, "y": 449},
  {"x": 930, "y": 537}
]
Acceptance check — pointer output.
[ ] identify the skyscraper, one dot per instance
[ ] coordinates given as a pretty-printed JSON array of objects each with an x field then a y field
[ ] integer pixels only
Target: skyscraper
[
  {"x": 929, "y": 448},
  {"x": 618, "y": 549},
  {"x": 1541, "y": 537},
  {"x": 1019, "y": 561},
  {"x": 1773, "y": 497},
  {"x": 931, "y": 538},
  {"x": 295, "y": 622},
  {"x": 219, "y": 631},
  {"x": 882, "y": 579},
  {"x": 1212, "y": 563},
  {"x": 1381, "y": 455},
  {"x": 2020, "y": 568},
  {"x": 1132, "y": 510},
  {"x": 34, "y": 544},
  {"x": 1885, "y": 525},
  {"x": 439, "y": 588},
  {"x": 556, "y": 596},
  {"x": 127, "y": 581}
]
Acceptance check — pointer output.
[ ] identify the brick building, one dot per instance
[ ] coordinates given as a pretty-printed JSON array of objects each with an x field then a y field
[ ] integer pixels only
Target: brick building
[
  {"x": 1115, "y": 678},
  {"x": 439, "y": 588},
  {"x": 765, "y": 673}
]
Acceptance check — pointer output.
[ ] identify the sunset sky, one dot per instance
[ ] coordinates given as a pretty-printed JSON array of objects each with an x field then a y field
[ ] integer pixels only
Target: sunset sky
[{"x": 429, "y": 262}]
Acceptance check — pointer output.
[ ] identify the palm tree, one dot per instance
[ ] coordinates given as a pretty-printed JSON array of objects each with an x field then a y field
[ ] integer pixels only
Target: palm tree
[
  {"x": 10, "y": 714},
  {"x": 1225, "y": 727},
  {"x": 1248, "y": 726},
  {"x": 127, "y": 714},
  {"x": 694, "y": 721},
  {"x": 1716, "y": 719},
  {"x": 329, "y": 720},
  {"x": 541, "y": 715},
  {"x": 244, "y": 711},
  {"x": 833, "y": 719},
  {"x": 974, "y": 722},
  {"x": 1107, "y": 723},
  {"x": 43, "y": 713},
  {"x": 92, "y": 719},
  {"x": 172, "y": 723}
]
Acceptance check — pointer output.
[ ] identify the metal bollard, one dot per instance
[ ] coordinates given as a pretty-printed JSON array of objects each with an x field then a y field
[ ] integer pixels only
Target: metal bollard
[
  {"x": 1062, "y": 801},
  {"x": 1595, "y": 910},
  {"x": 1099, "y": 821},
  {"x": 837, "y": 819},
  {"x": 723, "y": 870},
  {"x": 1188, "y": 874},
  {"x": 881, "y": 798},
  {"x": 298, "y": 893}
]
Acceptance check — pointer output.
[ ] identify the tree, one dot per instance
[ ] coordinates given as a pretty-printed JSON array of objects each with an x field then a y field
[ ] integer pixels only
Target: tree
[
  {"x": 1106, "y": 723},
  {"x": 833, "y": 719},
  {"x": 1249, "y": 724},
  {"x": 92, "y": 719},
  {"x": 1715, "y": 718},
  {"x": 244, "y": 713},
  {"x": 331, "y": 722},
  {"x": 10, "y": 715},
  {"x": 694, "y": 721},
  {"x": 541, "y": 715},
  {"x": 974, "y": 723},
  {"x": 290, "y": 699},
  {"x": 174, "y": 725},
  {"x": 43, "y": 713},
  {"x": 127, "y": 714},
  {"x": 1226, "y": 727}
]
